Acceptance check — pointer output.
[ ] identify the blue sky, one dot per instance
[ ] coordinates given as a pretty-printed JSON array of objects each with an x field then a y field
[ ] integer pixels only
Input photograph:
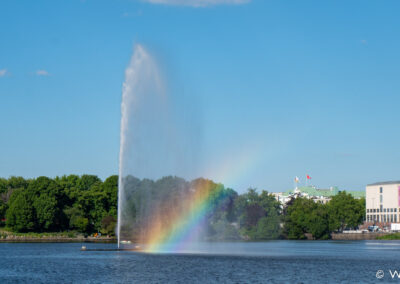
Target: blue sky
[{"x": 296, "y": 87}]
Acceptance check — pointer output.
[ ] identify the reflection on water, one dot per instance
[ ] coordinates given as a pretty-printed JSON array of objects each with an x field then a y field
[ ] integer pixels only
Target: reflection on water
[{"x": 276, "y": 261}]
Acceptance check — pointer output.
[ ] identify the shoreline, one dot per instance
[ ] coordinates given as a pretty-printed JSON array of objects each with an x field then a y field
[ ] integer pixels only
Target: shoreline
[
  {"x": 337, "y": 237},
  {"x": 358, "y": 236},
  {"x": 22, "y": 239}
]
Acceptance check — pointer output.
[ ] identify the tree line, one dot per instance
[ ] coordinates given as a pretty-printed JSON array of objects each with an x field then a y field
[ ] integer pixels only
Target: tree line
[
  {"x": 86, "y": 204},
  {"x": 303, "y": 216},
  {"x": 82, "y": 203}
]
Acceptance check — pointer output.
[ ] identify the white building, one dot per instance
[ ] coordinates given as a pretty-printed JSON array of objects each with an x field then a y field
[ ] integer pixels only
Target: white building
[
  {"x": 383, "y": 202},
  {"x": 282, "y": 197},
  {"x": 311, "y": 192}
]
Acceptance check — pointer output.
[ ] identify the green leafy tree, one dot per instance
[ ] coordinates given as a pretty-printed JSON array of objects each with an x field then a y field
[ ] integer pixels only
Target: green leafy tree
[
  {"x": 258, "y": 215},
  {"x": 77, "y": 219},
  {"x": 306, "y": 216},
  {"x": 108, "y": 225},
  {"x": 87, "y": 181},
  {"x": 17, "y": 182},
  {"x": 110, "y": 188},
  {"x": 20, "y": 214},
  {"x": 345, "y": 211},
  {"x": 71, "y": 187},
  {"x": 46, "y": 211},
  {"x": 49, "y": 201},
  {"x": 317, "y": 221},
  {"x": 268, "y": 227}
]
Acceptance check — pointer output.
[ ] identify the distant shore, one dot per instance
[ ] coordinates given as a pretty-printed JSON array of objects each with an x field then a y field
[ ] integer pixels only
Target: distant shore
[
  {"x": 52, "y": 237},
  {"x": 74, "y": 237},
  {"x": 26, "y": 239},
  {"x": 335, "y": 237}
]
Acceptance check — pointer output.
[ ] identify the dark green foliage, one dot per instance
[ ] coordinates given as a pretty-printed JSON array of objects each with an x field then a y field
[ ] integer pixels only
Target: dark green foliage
[
  {"x": 46, "y": 212},
  {"x": 86, "y": 204},
  {"x": 3, "y": 210},
  {"x": 20, "y": 214},
  {"x": 77, "y": 219},
  {"x": 306, "y": 216},
  {"x": 108, "y": 225},
  {"x": 345, "y": 212},
  {"x": 64, "y": 203},
  {"x": 258, "y": 215}
]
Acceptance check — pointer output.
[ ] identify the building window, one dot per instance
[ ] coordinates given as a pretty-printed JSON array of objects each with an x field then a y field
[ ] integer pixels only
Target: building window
[
  {"x": 380, "y": 189},
  {"x": 381, "y": 208},
  {"x": 381, "y": 198},
  {"x": 395, "y": 217},
  {"x": 395, "y": 209},
  {"x": 391, "y": 209}
]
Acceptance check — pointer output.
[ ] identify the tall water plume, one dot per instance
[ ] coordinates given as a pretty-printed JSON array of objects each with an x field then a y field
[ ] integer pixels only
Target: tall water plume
[
  {"x": 160, "y": 141},
  {"x": 142, "y": 107},
  {"x": 155, "y": 142}
]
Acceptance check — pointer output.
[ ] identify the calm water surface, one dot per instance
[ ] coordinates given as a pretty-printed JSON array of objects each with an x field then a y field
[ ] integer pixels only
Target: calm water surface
[{"x": 264, "y": 262}]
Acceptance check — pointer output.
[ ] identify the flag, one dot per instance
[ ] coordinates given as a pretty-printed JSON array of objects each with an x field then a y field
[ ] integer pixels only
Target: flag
[
  {"x": 296, "y": 179},
  {"x": 308, "y": 177}
]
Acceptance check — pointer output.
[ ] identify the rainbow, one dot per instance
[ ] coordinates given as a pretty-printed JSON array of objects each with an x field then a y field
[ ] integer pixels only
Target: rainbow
[
  {"x": 174, "y": 229},
  {"x": 171, "y": 231}
]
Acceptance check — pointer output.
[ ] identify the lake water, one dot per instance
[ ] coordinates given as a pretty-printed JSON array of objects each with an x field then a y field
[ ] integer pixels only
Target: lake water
[{"x": 262, "y": 262}]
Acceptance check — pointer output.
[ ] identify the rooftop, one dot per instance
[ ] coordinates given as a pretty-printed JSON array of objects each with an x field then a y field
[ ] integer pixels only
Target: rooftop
[
  {"x": 384, "y": 182},
  {"x": 312, "y": 191}
]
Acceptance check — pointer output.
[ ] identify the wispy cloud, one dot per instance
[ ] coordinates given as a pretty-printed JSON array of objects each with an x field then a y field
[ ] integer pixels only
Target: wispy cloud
[
  {"x": 3, "y": 72},
  {"x": 197, "y": 3},
  {"x": 42, "y": 73}
]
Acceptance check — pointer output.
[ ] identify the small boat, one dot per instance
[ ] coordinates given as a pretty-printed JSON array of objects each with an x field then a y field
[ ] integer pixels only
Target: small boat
[{"x": 125, "y": 242}]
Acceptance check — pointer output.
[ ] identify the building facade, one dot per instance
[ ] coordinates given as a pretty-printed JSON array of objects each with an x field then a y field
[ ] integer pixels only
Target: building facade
[
  {"x": 311, "y": 192},
  {"x": 383, "y": 202}
]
